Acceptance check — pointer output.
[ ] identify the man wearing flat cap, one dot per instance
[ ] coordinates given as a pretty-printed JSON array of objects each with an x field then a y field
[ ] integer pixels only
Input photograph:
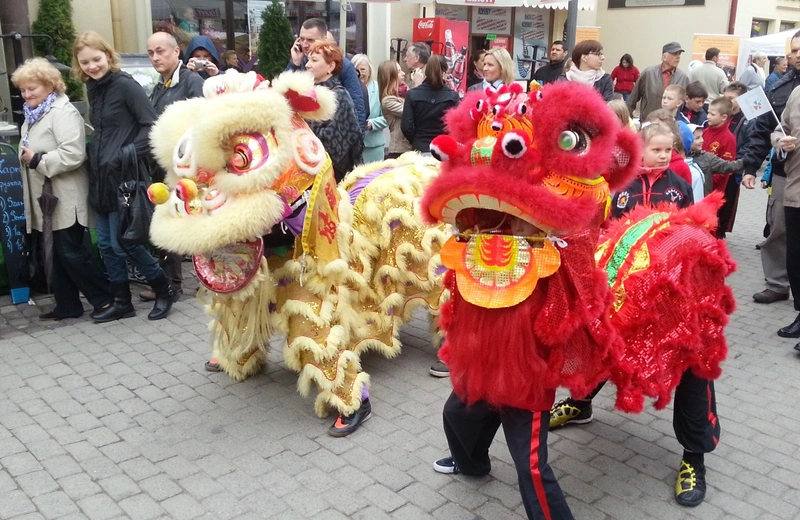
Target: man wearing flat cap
[{"x": 651, "y": 84}]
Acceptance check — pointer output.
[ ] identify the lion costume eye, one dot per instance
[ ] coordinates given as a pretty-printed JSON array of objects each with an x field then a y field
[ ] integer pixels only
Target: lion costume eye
[
  {"x": 573, "y": 141},
  {"x": 250, "y": 152}
]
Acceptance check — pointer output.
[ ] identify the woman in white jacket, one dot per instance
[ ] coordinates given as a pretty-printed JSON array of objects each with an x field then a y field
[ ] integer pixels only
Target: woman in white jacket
[
  {"x": 374, "y": 142},
  {"x": 53, "y": 150}
]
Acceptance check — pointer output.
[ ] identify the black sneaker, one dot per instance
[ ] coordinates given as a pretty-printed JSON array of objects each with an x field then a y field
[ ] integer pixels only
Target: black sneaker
[
  {"x": 690, "y": 488},
  {"x": 347, "y": 424},
  {"x": 447, "y": 466},
  {"x": 439, "y": 369},
  {"x": 570, "y": 411},
  {"x": 212, "y": 365}
]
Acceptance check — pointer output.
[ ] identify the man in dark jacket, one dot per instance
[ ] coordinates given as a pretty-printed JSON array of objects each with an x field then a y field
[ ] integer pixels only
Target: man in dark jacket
[
  {"x": 176, "y": 84},
  {"x": 315, "y": 29},
  {"x": 551, "y": 72},
  {"x": 773, "y": 249}
]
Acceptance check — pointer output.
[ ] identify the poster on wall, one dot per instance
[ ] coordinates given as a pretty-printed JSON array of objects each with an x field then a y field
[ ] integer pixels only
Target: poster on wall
[
  {"x": 453, "y": 12},
  {"x": 531, "y": 40},
  {"x": 587, "y": 33},
  {"x": 616, "y": 4},
  {"x": 729, "y": 51},
  {"x": 491, "y": 20}
]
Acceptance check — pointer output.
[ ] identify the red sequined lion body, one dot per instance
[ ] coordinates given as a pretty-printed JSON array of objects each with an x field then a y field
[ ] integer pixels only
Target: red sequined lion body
[{"x": 544, "y": 291}]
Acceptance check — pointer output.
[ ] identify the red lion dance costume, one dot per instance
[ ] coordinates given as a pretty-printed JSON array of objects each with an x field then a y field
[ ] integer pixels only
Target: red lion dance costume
[{"x": 540, "y": 298}]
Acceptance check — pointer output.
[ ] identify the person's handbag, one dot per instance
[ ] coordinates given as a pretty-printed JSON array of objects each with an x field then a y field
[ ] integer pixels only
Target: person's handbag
[
  {"x": 31, "y": 267},
  {"x": 135, "y": 208}
]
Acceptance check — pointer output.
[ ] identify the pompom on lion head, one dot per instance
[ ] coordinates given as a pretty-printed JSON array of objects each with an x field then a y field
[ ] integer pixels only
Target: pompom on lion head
[{"x": 234, "y": 159}]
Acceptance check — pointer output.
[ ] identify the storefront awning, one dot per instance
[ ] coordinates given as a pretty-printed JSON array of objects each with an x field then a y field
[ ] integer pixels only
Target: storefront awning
[{"x": 551, "y": 4}]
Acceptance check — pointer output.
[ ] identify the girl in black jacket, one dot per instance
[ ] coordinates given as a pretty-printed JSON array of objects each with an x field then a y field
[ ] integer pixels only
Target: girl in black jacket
[
  {"x": 121, "y": 116},
  {"x": 425, "y": 106}
]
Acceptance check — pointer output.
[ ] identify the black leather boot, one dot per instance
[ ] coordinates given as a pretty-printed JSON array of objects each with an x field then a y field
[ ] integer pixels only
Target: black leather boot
[
  {"x": 792, "y": 330},
  {"x": 121, "y": 308},
  {"x": 165, "y": 296}
]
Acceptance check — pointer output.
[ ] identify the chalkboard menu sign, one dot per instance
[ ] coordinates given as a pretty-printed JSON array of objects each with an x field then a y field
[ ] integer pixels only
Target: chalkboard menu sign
[{"x": 12, "y": 213}]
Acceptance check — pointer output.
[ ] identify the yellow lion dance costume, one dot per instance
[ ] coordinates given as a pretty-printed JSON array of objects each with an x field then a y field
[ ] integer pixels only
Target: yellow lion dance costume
[{"x": 242, "y": 162}]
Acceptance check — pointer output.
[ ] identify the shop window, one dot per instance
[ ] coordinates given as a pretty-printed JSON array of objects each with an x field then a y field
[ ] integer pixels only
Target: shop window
[
  {"x": 759, "y": 28},
  {"x": 788, "y": 26},
  {"x": 189, "y": 18}
]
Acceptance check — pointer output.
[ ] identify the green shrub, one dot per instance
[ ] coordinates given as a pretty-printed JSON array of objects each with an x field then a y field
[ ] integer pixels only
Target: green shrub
[
  {"x": 274, "y": 41},
  {"x": 55, "y": 20}
]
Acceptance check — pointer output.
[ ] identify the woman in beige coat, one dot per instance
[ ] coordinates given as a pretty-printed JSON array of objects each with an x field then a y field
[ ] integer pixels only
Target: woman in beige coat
[
  {"x": 390, "y": 76},
  {"x": 53, "y": 150}
]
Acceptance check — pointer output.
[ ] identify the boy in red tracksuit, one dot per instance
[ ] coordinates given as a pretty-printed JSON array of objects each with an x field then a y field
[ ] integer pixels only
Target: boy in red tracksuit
[{"x": 718, "y": 138}]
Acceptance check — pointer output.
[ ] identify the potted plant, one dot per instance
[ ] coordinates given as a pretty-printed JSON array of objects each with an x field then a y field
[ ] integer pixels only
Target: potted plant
[
  {"x": 275, "y": 41},
  {"x": 55, "y": 20}
]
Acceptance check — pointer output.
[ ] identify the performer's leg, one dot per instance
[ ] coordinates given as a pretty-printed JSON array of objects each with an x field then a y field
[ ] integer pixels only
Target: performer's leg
[
  {"x": 697, "y": 428},
  {"x": 573, "y": 410},
  {"x": 526, "y": 434},
  {"x": 470, "y": 431}
]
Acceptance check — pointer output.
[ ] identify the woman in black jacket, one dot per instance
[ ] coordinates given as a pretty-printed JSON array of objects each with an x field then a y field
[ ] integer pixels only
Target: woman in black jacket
[
  {"x": 121, "y": 116},
  {"x": 587, "y": 60},
  {"x": 425, "y": 106}
]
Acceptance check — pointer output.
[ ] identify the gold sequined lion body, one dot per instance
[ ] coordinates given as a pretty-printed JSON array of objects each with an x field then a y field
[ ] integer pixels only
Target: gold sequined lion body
[{"x": 243, "y": 164}]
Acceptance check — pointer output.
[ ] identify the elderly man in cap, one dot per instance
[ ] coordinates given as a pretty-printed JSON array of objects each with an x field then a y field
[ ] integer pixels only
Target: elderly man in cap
[{"x": 649, "y": 88}]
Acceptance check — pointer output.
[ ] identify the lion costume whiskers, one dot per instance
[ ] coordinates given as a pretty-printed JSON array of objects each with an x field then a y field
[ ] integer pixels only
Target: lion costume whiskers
[{"x": 242, "y": 163}]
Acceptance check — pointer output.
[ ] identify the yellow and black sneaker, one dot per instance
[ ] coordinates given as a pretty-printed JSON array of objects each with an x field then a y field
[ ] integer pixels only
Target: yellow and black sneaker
[
  {"x": 570, "y": 411},
  {"x": 690, "y": 489}
]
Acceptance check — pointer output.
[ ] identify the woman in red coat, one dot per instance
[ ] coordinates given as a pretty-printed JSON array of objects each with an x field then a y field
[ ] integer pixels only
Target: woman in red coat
[{"x": 624, "y": 76}]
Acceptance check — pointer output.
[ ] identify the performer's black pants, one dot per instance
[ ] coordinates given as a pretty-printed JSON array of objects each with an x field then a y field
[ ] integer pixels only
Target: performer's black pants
[
  {"x": 793, "y": 251},
  {"x": 694, "y": 415},
  {"x": 471, "y": 430}
]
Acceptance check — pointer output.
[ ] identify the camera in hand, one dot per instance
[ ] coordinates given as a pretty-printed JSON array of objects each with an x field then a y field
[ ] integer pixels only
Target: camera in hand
[{"x": 200, "y": 64}]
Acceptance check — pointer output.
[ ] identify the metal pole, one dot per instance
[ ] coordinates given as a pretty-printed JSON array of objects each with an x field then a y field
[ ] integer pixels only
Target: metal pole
[
  {"x": 343, "y": 9},
  {"x": 572, "y": 23}
]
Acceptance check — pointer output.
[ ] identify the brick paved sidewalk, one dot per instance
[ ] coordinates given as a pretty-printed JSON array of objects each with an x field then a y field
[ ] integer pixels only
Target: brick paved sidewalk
[{"x": 120, "y": 421}]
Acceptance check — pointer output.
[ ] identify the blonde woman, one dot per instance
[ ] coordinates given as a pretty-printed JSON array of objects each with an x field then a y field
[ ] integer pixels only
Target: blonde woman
[
  {"x": 121, "y": 116},
  {"x": 390, "y": 77},
  {"x": 498, "y": 69},
  {"x": 53, "y": 149},
  {"x": 374, "y": 142}
]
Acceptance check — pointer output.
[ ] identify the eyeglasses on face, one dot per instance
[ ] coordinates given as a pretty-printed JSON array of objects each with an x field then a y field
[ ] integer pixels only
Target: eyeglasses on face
[{"x": 598, "y": 54}]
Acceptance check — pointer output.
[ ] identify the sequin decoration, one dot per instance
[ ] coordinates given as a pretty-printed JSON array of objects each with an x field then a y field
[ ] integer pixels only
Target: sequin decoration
[
  {"x": 230, "y": 268},
  {"x": 498, "y": 271}
]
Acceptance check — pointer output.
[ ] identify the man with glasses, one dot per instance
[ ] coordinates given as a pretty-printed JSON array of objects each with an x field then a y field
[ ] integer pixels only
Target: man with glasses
[
  {"x": 649, "y": 88},
  {"x": 315, "y": 29}
]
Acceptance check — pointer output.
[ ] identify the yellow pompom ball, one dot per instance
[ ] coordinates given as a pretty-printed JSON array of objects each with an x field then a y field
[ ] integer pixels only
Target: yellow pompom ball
[
  {"x": 158, "y": 192},
  {"x": 186, "y": 189}
]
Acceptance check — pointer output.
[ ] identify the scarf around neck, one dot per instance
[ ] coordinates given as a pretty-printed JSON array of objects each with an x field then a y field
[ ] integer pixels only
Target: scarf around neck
[
  {"x": 587, "y": 77},
  {"x": 32, "y": 115},
  {"x": 495, "y": 85}
]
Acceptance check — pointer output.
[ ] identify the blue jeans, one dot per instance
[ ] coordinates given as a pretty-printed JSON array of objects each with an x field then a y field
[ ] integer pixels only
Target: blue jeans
[{"x": 115, "y": 257}]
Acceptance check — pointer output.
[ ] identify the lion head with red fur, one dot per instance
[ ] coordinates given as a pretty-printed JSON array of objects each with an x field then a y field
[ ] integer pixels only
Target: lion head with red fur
[{"x": 526, "y": 181}]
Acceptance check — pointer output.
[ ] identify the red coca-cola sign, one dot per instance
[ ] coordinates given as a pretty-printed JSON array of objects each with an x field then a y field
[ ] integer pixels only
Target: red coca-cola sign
[{"x": 425, "y": 23}]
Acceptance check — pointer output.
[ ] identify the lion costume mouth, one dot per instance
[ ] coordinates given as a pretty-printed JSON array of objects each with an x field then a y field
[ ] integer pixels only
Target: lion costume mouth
[
  {"x": 499, "y": 253},
  {"x": 229, "y": 268}
]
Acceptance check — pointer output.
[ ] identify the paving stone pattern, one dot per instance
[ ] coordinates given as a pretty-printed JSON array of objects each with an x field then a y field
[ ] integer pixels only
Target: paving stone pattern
[{"x": 121, "y": 421}]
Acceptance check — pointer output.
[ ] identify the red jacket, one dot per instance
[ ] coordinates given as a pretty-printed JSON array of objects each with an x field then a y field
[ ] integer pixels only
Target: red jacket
[
  {"x": 721, "y": 142},
  {"x": 625, "y": 78},
  {"x": 678, "y": 165}
]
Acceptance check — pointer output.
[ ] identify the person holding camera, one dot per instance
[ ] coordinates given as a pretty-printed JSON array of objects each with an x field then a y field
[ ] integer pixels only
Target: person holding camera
[{"x": 202, "y": 57}]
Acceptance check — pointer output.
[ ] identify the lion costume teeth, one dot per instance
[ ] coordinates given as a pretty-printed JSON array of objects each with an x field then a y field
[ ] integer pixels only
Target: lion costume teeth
[{"x": 241, "y": 163}]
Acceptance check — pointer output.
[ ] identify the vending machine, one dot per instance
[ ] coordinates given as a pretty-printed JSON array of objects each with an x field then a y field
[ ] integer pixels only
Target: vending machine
[{"x": 450, "y": 38}]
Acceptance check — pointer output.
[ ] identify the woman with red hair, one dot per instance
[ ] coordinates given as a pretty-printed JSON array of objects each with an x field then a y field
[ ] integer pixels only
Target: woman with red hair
[{"x": 341, "y": 135}]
